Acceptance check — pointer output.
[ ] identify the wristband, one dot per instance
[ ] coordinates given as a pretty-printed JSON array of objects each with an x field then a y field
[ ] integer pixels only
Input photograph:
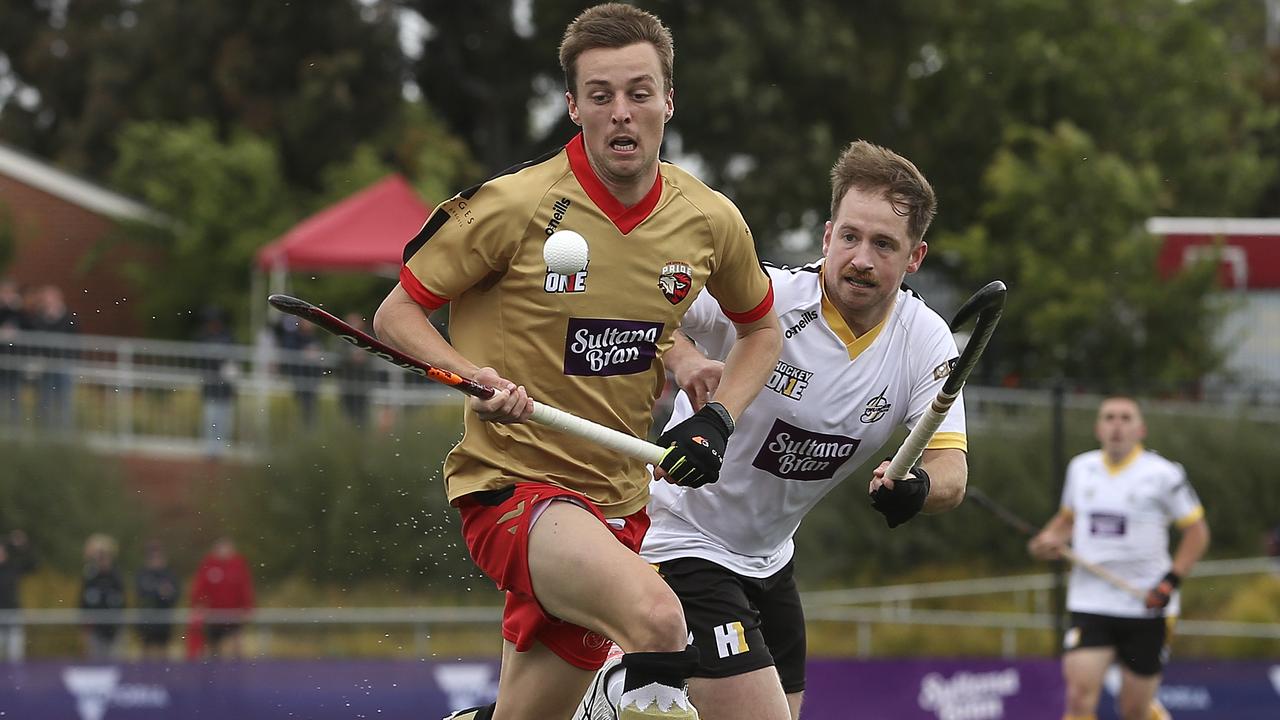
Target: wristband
[{"x": 721, "y": 412}]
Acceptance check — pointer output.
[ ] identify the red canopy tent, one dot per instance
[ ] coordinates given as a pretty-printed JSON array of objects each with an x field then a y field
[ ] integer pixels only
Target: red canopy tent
[{"x": 366, "y": 231}]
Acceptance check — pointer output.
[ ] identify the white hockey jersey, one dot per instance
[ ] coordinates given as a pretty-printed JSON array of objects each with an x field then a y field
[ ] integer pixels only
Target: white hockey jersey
[
  {"x": 832, "y": 402},
  {"x": 1121, "y": 518}
]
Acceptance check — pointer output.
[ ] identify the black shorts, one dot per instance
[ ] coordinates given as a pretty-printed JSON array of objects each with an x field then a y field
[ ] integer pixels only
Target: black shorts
[
  {"x": 1141, "y": 643},
  {"x": 740, "y": 624}
]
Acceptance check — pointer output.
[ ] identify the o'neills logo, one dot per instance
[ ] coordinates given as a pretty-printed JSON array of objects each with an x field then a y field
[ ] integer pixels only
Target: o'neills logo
[
  {"x": 610, "y": 347},
  {"x": 558, "y": 210},
  {"x": 793, "y": 453},
  {"x": 675, "y": 281}
]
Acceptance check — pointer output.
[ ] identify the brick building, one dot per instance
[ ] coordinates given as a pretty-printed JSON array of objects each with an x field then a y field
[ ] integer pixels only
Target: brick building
[{"x": 57, "y": 222}]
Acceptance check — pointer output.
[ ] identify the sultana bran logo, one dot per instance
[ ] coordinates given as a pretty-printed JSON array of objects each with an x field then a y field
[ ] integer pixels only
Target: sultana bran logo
[{"x": 675, "y": 280}]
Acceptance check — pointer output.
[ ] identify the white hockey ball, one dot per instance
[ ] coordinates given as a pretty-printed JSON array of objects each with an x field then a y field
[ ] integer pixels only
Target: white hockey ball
[{"x": 565, "y": 252}]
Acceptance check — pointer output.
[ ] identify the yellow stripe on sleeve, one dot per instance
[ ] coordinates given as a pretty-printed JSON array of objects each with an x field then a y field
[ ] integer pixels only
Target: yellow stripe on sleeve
[
  {"x": 1190, "y": 518},
  {"x": 948, "y": 441}
]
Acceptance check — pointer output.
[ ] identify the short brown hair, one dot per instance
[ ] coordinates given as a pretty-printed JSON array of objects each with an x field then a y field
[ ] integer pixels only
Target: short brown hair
[
  {"x": 615, "y": 25},
  {"x": 870, "y": 167}
]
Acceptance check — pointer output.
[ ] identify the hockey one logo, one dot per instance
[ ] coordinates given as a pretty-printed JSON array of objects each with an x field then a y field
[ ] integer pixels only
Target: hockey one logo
[
  {"x": 556, "y": 283},
  {"x": 610, "y": 347},
  {"x": 788, "y": 380},
  {"x": 793, "y": 453},
  {"x": 675, "y": 280}
]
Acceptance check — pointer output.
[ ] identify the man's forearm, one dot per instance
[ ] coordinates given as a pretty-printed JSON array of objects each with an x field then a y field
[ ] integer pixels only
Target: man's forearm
[
  {"x": 1191, "y": 547},
  {"x": 403, "y": 324},
  {"x": 748, "y": 366},
  {"x": 948, "y": 475}
]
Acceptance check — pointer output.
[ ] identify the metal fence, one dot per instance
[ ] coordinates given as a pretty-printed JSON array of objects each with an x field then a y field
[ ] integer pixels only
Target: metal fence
[
  {"x": 184, "y": 398},
  {"x": 863, "y": 608}
]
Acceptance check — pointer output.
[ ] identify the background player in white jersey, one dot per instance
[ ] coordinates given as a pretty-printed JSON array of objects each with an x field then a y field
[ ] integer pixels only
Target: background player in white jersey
[
  {"x": 1117, "y": 505},
  {"x": 861, "y": 357},
  {"x": 557, "y": 523}
]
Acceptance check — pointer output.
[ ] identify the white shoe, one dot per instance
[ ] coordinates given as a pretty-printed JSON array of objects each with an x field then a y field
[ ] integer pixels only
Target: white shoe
[{"x": 601, "y": 700}]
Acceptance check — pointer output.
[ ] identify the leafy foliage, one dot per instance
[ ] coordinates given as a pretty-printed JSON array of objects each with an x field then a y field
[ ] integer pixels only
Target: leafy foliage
[
  {"x": 60, "y": 495},
  {"x": 1063, "y": 226},
  {"x": 340, "y": 509}
]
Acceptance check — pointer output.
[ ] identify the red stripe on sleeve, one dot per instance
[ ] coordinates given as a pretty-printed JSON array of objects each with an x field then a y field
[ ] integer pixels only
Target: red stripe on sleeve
[
  {"x": 421, "y": 294},
  {"x": 754, "y": 313}
]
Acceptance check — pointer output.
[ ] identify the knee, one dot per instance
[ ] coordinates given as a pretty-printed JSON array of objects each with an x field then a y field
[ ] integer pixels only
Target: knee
[
  {"x": 1081, "y": 700},
  {"x": 660, "y": 625}
]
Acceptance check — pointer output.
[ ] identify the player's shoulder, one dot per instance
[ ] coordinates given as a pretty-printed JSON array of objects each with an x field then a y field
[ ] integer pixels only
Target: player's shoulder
[
  {"x": 714, "y": 205},
  {"x": 917, "y": 318},
  {"x": 529, "y": 180},
  {"x": 1163, "y": 465},
  {"x": 1087, "y": 460},
  {"x": 796, "y": 287}
]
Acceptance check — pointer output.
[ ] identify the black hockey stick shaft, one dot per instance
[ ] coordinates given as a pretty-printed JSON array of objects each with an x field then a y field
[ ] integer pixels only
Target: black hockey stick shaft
[{"x": 987, "y": 305}]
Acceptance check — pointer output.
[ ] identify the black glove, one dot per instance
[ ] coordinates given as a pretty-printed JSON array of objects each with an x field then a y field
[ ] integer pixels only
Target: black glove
[
  {"x": 905, "y": 500},
  {"x": 697, "y": 446},
  {"x": 1158, "y": 597}
]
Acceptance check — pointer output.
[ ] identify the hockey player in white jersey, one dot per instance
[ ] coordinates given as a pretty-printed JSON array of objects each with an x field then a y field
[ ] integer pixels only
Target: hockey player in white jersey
[
  {"x": 862, "y": 356},
  {"x": 1117, "y": 505}
]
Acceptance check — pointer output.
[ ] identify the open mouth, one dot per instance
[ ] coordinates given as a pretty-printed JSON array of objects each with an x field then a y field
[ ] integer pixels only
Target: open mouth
[
  {"x": 622, "y": 143},
  {"x": 860, "y": 282}
]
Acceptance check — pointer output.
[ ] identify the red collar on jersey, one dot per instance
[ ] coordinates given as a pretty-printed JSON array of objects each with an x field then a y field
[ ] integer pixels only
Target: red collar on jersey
[{"x": 624, "y": 218}]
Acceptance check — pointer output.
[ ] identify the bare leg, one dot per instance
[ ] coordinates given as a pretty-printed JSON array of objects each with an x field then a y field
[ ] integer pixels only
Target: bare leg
[
  {"x": 1083, "y": 670},
  {"x": 794, "y": 700},
  {"x": 756, "y": 695},
  {"x": 583, "y": 575},
  {"x": 538, "y": 684},
  {"x": 1137, "y": 693}
]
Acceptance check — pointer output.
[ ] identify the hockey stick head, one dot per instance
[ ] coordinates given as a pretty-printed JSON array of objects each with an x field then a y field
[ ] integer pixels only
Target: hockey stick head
[
  {"x": 987, "y": 304},
  {"x": 289, "y": 304},
  {"x": 988, "y": 301}
]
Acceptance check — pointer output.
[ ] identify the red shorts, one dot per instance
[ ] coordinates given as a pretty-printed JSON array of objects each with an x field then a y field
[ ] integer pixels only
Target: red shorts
[{"x": 497, "y": 535}]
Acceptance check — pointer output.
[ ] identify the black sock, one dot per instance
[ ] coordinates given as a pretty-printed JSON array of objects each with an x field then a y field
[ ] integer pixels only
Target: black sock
[{"x": 665, "y": 668}]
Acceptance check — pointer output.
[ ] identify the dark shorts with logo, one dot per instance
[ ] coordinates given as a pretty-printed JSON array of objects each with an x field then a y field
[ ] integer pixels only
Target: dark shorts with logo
[
  {"x": 740, "y": 623},
  {"x": 1141, "y": 643}
]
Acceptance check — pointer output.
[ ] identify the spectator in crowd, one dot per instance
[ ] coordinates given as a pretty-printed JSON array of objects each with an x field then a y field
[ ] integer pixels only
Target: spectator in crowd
[
  {"x": 218, "y": 390},
  {"x": 15, "y": 561},
  {"x": 302, "y": 363},
  {"x": 12, "y": 319},
  {"x": 224, "y": 587},
  {"x": 101, "y": 589},
  {"x": 356, "y": 373},
  {"x": 48, "y": 313},
  {"x": 156, "y": 589}
]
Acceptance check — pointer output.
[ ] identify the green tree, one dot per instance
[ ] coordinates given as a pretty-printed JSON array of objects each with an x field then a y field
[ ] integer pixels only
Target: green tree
[
  {"x": 316, "y": 77},
  {"x": 1063, "y": 226},
  {"x": 226, "y": 199}
]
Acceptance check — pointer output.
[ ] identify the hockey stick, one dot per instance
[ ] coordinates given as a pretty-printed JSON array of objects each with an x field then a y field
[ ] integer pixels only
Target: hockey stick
[
  {"x": 987, "y": 304},
  {"x": 1026, "y": 528},
  {"x": 542, "y": 414}
]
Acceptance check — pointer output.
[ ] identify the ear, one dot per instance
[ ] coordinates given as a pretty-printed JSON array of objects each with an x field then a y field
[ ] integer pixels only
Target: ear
[
  {"x": 826, "y": 238},
  {"x": 671, "y": 104},
  {"x": 917, "y": 256},
  {"x": 573, "y": 108}
]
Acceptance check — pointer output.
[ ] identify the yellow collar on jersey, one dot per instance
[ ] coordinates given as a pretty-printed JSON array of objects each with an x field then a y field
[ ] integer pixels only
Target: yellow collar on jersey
[
  {"x": 853, "y": 343},
  {"x": 1125, "y": 462}
]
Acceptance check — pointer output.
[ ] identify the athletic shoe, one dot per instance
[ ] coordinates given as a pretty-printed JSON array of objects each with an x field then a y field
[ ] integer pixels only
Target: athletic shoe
[{"x": 597, "y": 704}]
